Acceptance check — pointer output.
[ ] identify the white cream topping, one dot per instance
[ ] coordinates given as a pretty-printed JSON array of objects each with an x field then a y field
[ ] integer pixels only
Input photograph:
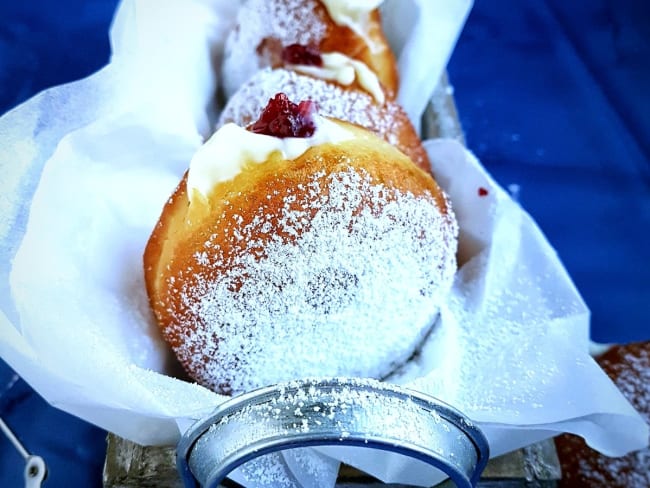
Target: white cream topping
[
  {"x": 228, "y": 150},
  {"x": 344, "y": 70},
  {"x": 353, "y": 14}
]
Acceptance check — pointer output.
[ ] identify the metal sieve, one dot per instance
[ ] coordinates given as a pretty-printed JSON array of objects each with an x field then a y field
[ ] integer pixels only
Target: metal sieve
[{"x": 336, "y": 412}]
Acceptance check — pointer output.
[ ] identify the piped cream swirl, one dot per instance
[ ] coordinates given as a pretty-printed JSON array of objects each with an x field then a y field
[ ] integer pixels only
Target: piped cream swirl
[
  {"x": 225, "y": 154},
  {"x": 353, "y": 14},
  {"x": 344, "y": 70}
]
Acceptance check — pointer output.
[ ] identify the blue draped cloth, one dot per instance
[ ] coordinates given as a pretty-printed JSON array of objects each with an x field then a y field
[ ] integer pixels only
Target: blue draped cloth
[{"x": 554, "y": 98}]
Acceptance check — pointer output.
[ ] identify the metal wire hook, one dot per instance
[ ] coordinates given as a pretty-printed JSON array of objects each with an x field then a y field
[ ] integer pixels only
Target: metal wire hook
[{"x": 35, "y": 469}]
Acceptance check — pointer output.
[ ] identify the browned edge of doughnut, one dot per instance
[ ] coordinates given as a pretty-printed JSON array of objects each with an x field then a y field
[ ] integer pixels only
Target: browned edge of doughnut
[{"x": 583, "y": 466}]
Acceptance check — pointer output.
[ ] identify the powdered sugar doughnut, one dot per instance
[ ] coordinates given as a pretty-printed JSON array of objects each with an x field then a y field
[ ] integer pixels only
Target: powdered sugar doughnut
[
  {"x": 629, "y": 367},
  {"x": 355, "y": 106},
  {"x": 334, "y": 263},
  {"x": 263, "y": 27}
]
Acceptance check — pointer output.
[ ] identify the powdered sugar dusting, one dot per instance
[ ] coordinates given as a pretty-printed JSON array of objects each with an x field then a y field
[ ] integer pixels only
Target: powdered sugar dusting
[
  {"x": 341, "y": 288},
  {"x": 289, "y": 22},
  {"x": 353, "y": 413},
  {"x": 632, "y": 376},
  {"x": 353, "y": 106}
]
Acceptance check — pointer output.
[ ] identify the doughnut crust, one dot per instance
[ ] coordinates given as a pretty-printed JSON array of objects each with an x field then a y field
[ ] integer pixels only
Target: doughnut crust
[
  {"x": 264, "y": 27},
  {"x": 389, "y": 121},
  {"x": 629, "y": 368},
  {"x": 332, "y": 264}
]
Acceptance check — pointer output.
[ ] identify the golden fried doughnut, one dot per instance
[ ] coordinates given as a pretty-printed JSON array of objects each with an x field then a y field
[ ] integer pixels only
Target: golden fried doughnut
[
  {"x": 334, "y": 263},
  {"x": 265, "y": 27},
  {"x": 629, "y": 368}
]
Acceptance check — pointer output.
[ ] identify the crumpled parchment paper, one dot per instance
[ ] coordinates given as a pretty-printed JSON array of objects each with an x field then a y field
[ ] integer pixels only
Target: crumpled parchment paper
[{"x": 88, "y": 166}]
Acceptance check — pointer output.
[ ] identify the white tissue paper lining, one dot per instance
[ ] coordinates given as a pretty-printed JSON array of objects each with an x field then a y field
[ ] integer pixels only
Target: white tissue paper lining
[{"x": 88, "y": 166}]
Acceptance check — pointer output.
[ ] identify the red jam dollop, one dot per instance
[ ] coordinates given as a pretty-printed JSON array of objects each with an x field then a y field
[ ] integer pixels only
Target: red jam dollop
[
  {"x": 283, "y": 118},
  {"x": 301, "y": 54}
]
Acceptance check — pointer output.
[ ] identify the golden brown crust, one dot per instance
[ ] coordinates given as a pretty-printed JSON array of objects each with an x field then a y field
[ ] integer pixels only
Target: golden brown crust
[
  {"x": 380, "y": 59},
  {"x": 629, "y": 368},
  {"x": 184, "y": 228}
]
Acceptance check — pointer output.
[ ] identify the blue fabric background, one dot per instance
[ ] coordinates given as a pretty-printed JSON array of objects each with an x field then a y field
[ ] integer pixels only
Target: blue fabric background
[{"x": 553, "y": 96}]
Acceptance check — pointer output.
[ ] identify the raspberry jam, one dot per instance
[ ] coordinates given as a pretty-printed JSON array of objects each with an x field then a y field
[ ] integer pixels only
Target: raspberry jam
[
  {"x": 301, "y": 54},
  {"x": 283, "y": 118}
]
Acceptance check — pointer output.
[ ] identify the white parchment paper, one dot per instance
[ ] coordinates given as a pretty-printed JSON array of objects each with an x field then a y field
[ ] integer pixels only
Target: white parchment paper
[{"x": 87, "y": 167}]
